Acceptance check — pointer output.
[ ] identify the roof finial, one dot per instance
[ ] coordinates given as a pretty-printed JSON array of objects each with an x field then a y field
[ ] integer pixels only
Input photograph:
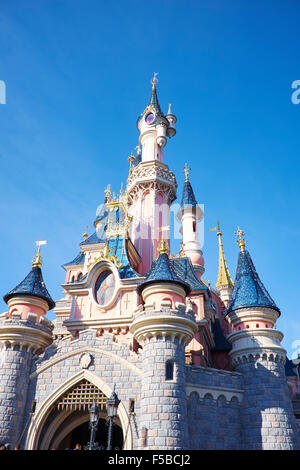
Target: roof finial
[
  {"x": 169, "y": 110},
  {"x": 85, "y": 235},
  {"x": 186, "y": 170},
  {"x": 163, "y": 246},
  {"x": 37, "y": 260},
  {"x": 241, "y": 241},
  {"x": 154, "y": 80},
  {"x": 131, "y": 160},
  {"x": 138, "y": 150},
  {"x": 224, "y": 278},
  {"x": 107, "y": 192}
]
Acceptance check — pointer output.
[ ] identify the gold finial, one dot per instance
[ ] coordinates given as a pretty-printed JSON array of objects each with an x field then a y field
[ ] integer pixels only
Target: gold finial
[
  {"x": 241, "y": 241},
  {"x": 163, "y": 246},
  {"x": 37, "y": 260},
  {"x": 169, "y": 110},
  {"x": 181, "y": 251},
  {"x": 224, "y": 278},
  {"x": 186, "y": 170},
  {"x": 154, "y": 80},
  {"x": 131, "y": 160},
  {"x": 138, "y": 150},
  {"x": 121, "y": 190},
  {"x": 85, "y": 235},
  {"x": 107, "y": 193}
]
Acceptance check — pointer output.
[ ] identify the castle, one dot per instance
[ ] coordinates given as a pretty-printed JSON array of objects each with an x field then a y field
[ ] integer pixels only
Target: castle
[{"x": 193, "y": 367}]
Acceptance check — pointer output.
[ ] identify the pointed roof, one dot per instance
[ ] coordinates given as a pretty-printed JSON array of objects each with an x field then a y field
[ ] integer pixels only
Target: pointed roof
[
  {"x": 153, "y": 104},
  {"x": 32, "y": 285},
  {"x": 224, "y": 278},
  {"x": 188, "y": 196},
  {"x": 162, "y": 271},
  {"x": 249, "y": 291}
]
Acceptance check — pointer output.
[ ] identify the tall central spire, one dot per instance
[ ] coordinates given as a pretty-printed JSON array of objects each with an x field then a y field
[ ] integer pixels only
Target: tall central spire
[{"x": 224, "y": 278}]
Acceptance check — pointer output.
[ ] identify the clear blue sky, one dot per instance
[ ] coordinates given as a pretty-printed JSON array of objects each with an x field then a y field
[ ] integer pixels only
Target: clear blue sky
[{"x": 77, "y": 74}]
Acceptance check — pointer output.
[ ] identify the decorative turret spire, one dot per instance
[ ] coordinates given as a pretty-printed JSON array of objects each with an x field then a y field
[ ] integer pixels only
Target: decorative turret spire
[
  {"x": 33, "y": 284},
  {"x": 224, "y": 278},
  {"x": 248, "y": 291}
]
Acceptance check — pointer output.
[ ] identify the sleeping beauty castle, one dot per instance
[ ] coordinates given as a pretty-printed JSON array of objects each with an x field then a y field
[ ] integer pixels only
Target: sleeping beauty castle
[{"x": 187, "y": 366}]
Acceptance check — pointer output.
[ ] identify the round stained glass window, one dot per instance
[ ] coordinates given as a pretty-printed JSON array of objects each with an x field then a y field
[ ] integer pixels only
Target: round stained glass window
[
  {"x": 104, "y": 287},
  {"x": 149, "y": 118}
]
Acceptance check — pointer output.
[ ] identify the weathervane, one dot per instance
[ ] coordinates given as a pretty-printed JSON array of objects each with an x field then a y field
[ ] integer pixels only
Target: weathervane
[{"x": 37, "y": 260}]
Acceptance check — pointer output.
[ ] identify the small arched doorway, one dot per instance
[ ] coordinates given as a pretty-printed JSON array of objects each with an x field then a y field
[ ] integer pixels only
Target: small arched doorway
[{"x": 68, "y": 420}]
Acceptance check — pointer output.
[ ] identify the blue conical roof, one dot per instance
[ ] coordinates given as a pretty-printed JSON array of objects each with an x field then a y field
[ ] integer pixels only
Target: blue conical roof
[
  {"x": 33, "y": 285},
  {"x": 188, "y": 196},
  {"x": 162, "y": 271},
  {"x": 249, "y": 291},
  {"x": 152, "y": 104}
]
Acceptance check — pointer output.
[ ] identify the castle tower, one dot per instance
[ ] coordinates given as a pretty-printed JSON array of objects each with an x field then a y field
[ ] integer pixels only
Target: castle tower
[
  {"x": 163, "y": 326},
  {"x": 224, "y": 283},
  {"x": 24, "y": 332},
  {"x": 267, "y": 417},
  {"x": 151, "y": 186},
  {"x": 189, "y": 215}
]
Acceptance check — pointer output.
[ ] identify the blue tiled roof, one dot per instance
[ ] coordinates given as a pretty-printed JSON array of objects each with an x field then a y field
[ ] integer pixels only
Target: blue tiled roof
[
  {"x": 188, "y": 196},
  {"x": 119, "y": 248},
  {"x": 34, "y": 285},
  {"x": 78, "y": 260},
  {"x": 221, "y": 343},
  {"x": 289, "y": 368},
  {"x": 153, "y": 102},
  {"x": 162, "y": 271},
  {"x": 184, "y": 269},
  {"x": 249, "y": 291},
  {"x": 92, "y": 240}
]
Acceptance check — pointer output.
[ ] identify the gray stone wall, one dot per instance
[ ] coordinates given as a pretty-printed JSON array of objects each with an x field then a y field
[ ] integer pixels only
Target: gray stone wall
[
  {"x": 163, "y": 402},
  {"x": 268, "y": 420},
  {"x": 112, "y": 369},
  {"x": 15, "y": 363},
  {"x": 214, "y": 407}
]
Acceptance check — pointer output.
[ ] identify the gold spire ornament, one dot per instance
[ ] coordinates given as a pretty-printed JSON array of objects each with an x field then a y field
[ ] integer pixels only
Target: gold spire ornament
[
  {"x": 85, "y": 235},
  {"x": 241, "y": 241},
  {"x": 37, "y": 260},
  {"x": 131, "y": 160},
  {"x": 224, "y": 278},
  {"x": 163, "y": 246},
  {"x": 138, "y": 150},
  {"x": 107, "y": 193},
  {"x": 186, "y": 170},
  {"x": 154, "y": 80}
]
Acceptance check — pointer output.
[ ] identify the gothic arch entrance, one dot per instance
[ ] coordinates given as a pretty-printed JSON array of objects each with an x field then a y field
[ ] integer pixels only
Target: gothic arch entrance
[{"x": 64, "y": 416}]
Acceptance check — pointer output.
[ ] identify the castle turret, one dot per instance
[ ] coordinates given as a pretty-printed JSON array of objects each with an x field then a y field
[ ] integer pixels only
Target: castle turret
[
  {"x": 163, "y": 326},
  {"x": 151, "y": 186},
  {"x": 190, "y": 214},
  {"x": 267, "y": 415},
  {"x": 24, "y": 332},
  {"x": 224, "y": 283}
]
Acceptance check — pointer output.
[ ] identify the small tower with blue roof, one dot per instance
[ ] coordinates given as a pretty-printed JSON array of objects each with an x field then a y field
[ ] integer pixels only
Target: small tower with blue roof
[
  {"x": 190, "y": 214},
  {"x": 24, "y": 334},
  {"x": 163, "y": 326},
  {"x": 268, "y": 421}
]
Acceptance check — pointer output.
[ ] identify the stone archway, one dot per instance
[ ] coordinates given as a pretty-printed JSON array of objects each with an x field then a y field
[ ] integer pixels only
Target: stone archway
[{"x": 41, "y": 434}]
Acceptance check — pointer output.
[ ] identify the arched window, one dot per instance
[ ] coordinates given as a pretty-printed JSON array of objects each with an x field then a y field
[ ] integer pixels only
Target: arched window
[
  {"x": 79, "y": 276},
  {"x": 169, "y": 370}
]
